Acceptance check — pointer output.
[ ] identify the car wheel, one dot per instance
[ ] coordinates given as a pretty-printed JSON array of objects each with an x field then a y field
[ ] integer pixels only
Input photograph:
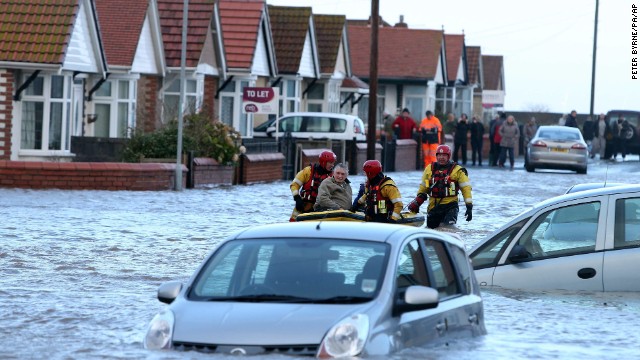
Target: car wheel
[
  {"x": 582, "y": 171},
  {"x": 529, "y": 168}
]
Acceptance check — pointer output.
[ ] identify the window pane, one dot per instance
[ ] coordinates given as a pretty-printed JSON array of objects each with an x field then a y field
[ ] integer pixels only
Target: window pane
[
  {"x": 314, "y": 107},
  {"x": 443, "y": 272},
  {"x": 170, "y": 107},
  {"x": 36, "y": 87},
  {"x": 291, "y": 88},
  {"x": 191, "y": 86},
  {"x": 57, "y": 87},
  {"x": 123, "y": 119},
  {"x": 32, "y": 113},
  {"x": 316, "y": 92},
  {"x": 123, "y": 89},
  {"x": 564, "y": 231},
  {"x": 411, "y": 269},
  {"x": 627, "y": 226},
  {"x": 104, "y": 90},
  {"x": 55, "y": 127},
  {"x": 226, "y": 110},
  {"x": 101, "y": 126},
  {"x": 229, "y": 88},
  {"x": 174, "y": 87}
]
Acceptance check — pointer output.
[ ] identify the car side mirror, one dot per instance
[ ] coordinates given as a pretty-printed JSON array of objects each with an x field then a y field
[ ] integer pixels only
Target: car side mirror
[
  {"x": 415, "y": 298},
  {"x": 271, "y": 130},
  {"x": 169, "y": 291},
  {"x": 519, "y": 253}
]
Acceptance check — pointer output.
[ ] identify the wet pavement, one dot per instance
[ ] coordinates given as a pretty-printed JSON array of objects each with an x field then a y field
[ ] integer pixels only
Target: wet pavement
[{"x": 79, "y": 270}]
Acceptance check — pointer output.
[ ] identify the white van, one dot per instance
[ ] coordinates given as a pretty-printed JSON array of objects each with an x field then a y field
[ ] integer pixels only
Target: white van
[{"x": 314, "y": 126}]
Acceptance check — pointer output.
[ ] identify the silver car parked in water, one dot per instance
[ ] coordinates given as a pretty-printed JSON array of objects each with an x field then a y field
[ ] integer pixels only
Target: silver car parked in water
[
  {"x": 557, "y": 147},
  {"x": 587, "y": 240},
  {"x": 325, "y": 289}
]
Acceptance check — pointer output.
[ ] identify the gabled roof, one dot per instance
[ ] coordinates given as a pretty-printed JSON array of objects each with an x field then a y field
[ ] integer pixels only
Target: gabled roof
[
  {"x": 492, "y": 66},
  {"x": 454, "y": 47},
  {"x": 200, "y": 14},
  {"x": 408, "y": 54},
  {"x": 41, "y": 32},
  {"x": 121, "y": 29},
  {"x": 329, "y": 32},
  {"x": 240, "y": 21},
  {"x": 289, "y": 27},
  {"x": 473, "y": 60}
]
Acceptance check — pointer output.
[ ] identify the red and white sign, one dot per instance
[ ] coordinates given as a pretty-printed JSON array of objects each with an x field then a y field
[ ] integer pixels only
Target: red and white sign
[{"x": 260, "y": 100}]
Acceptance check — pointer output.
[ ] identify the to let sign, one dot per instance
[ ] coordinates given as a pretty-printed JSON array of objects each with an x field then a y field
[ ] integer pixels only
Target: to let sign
[{"x": 260, "y": 100}]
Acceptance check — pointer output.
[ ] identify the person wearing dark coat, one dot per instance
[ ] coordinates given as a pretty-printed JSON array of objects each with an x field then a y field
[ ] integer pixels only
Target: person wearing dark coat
[
  {"x": 477, "y": 131},
  {"x": 572, "y": 119},
  {"x": 588, "y": 132},
  {"x": 460, "y": 139}
]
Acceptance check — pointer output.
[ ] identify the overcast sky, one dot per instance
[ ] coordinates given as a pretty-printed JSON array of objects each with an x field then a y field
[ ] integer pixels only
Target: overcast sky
[{"x": 547, "y": 44}]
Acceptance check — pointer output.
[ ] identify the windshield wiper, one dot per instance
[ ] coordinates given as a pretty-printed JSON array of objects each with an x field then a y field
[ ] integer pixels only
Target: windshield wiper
[
  {"x": 263, "y": 298},
  {"x": 343, "y": 300}
]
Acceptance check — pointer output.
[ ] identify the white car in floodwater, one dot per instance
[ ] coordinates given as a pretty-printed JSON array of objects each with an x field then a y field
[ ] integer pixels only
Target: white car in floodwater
[
  {"x": 326, "y": 289},
  {"x": 584, "y": 240}
]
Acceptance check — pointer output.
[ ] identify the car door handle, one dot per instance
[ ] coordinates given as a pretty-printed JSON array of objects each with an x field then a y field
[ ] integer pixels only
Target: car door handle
[
  {"x": 586, "y": 273},
  {"x": 473, "y": 318},
  {"x": 441, "y": 327}
]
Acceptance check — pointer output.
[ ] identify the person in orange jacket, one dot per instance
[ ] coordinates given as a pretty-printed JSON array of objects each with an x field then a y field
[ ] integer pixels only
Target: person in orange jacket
[{"x": 431, "y": 130}]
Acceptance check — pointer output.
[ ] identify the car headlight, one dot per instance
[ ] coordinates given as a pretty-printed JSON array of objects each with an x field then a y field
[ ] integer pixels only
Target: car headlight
[
  {"x": 346, "y": 338},
  {"x": 160, "y": 331}
]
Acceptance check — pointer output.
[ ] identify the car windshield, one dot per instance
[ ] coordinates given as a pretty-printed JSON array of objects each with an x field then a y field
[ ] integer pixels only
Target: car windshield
[
  {"x": 292, "y": 270},
  {"x": 559, "y": 135}
]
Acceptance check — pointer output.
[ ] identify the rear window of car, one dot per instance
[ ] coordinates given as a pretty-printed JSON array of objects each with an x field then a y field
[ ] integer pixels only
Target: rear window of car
[{"x": 559, "y": 135}]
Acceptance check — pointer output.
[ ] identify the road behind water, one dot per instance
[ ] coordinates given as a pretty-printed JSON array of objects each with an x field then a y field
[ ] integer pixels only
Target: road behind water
[{"x": 79, "y": 270}]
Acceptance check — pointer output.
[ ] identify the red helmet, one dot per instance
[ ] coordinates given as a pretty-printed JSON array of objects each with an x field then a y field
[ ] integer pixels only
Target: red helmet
[
  {"x": 444, "y": 149},
  {"x": 326, "y": 157},
  {"x": 372, "y": 168}
]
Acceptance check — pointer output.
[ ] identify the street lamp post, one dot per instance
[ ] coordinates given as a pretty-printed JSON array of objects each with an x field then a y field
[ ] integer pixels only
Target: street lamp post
[
  {"x": 183, "y": 60},
  {"x": 593, "y": 62}
]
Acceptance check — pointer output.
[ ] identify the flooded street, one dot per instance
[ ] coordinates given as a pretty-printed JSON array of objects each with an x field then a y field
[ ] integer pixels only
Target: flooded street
[{"x": 79, "y": 270}]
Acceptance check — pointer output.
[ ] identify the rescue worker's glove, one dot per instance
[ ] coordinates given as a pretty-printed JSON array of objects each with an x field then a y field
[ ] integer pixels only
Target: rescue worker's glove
[
  {"x": 299, "y": 203},
  {"x": 414, "y": 206},
  {"x": 469, "y": 213}
]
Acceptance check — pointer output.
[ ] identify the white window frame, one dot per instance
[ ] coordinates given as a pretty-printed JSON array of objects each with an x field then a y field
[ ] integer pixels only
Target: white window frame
[
  {"x": 320, "y": 101},
  {"x": 115, "y": 103},
  {"x": 47, "y": 101},
  {"x": 289, "y": 102},
  {"x": 171, "y": 88},
  {"x": 243, "y": 123}
]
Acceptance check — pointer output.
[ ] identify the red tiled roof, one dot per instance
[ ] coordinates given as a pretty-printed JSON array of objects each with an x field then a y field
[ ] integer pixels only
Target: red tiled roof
[
  {"x": 289, "y": 26},
  {"x": 353, "y": 82},
  {"x": 473, "y": 60},
  {"x": 240, "y": 21},
  {"x": 329, "y": 30},
  {"x": 36, "y": 31},
  {"x": 121, "y": 29},
  {"x": 454, "y": 46},
  {"x": 492, "y": 72},
  {"x": 361, "y": 22},
  {"x": 200, "y": 15},
  {"x": 402, "y": 53}
]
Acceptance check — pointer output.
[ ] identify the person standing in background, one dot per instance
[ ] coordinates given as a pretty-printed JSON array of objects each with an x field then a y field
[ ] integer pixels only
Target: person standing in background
[
  {"x": 496, "y": 138},
  {"x": 572, "y": 119},
  {"x": 387, "y": 125},
  {"x": 449, "y": 126},
  {"x": 431, "y": 132},
  {"x": 460, "y": 139},
  {"x": 404, "y": 126},
  {"x": 477, "y": 132},
  {"x": 600, "y": 134},
  {"x": 588, "y": 133},
  {"x": 510, "y": 134}
]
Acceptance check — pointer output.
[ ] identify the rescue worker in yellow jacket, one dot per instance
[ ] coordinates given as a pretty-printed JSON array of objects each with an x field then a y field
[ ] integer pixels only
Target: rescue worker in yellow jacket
[
  {"x": 441, "y": 182},
  {"x": 381, "y": 197},
  {"x": 304, "y": 186}
]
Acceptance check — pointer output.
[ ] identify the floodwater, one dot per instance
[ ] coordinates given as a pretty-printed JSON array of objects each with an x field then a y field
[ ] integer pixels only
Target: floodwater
[{"x": 79, "y": 270}]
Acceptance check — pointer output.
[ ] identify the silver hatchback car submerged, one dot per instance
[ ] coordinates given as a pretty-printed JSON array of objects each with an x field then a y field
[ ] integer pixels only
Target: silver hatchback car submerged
[
  {"x": 324, "y": 289},
  {"x": 586, "y": 241}
]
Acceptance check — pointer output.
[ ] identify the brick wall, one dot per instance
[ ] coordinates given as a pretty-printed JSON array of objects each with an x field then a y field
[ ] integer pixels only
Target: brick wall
[
  {"x": 210, "y": 89},
  {"x": 149, "y": 107},
  {"x": 361, "y": 156},
  {"x": 207, "y": 171},
  {"x": 88, "y": 176},
  {"x": 406, "y": 154},
  {"x": 6, "y": 108},
  {"x": 261, "y": 168}
]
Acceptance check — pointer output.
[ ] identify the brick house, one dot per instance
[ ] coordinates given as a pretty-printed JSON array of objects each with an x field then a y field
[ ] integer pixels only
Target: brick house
[{"x": 493, "y": 91}]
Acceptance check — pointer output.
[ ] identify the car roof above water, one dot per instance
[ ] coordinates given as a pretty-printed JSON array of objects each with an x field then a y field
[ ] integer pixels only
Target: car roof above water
[{"x": 348, "y": 230}]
